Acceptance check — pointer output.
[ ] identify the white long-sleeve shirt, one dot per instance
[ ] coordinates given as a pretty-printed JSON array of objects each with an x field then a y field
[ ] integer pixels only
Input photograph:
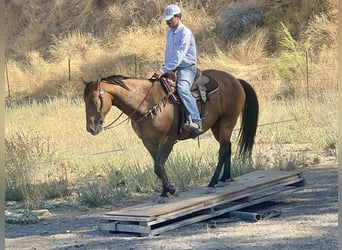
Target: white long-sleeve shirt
[{"x": 180, "y": 49}]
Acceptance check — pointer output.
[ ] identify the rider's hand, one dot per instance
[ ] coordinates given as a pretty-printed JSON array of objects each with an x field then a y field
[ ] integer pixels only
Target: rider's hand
[{"x": 157, "y": 74}]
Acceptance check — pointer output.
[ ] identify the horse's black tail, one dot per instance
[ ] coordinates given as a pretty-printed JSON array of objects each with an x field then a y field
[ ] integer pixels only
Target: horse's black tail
[{"x": 249, "y": 121}]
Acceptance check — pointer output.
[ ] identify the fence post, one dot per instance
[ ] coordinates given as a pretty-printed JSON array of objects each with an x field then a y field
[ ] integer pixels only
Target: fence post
[
  {"x": 307, "y": 73},
  {"x": 69, "y": 70},
  {"x": 8, "y": 86},
  {"x": 135, "y": 65}
]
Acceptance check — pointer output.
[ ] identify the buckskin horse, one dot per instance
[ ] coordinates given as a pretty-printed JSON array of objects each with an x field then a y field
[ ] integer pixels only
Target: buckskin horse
[{"x": 157, "y": 118}]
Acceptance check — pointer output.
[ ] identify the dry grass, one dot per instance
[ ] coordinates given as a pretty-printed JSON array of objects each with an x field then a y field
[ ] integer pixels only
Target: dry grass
[
  {"x": 100, "y": 39},
  {"x": 323, "y": 29},
  {"x": 239, "y": 18}
]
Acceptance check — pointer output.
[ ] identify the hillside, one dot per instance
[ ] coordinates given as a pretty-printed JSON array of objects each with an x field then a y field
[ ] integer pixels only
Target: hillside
[
  {"x": 286, "y": 50},
  {"x": 43, "y": 32}
]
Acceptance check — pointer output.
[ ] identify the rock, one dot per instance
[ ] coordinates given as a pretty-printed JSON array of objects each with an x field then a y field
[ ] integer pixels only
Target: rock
[
  {"x": 21, "y": 218},
  {"x": 25, "y": 216}
]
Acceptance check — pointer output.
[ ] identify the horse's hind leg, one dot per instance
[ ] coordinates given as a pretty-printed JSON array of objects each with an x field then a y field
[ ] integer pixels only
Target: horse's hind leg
[
  {"x": 224, "y": 151},
  {"x": 227, "y": 164},
  {"x": 222, "y": 131}
]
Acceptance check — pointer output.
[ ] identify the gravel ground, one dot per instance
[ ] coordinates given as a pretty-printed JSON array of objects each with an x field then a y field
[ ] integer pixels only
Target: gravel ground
[{"x": 307, "y": 219}]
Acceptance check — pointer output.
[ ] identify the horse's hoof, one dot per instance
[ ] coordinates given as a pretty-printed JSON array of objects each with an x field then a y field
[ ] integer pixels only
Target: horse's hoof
[
  {"x": 162, "y": 200},
  {"x": 220, "y": 184},
  {"x": 211, "y": 190}
]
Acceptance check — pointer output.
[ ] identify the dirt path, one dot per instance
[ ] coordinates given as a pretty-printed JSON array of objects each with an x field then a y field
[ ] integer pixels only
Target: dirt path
[{"x": 308, "y": 220}]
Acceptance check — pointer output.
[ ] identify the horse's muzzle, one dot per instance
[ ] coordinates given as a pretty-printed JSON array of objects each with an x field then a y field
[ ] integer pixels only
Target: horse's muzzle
[{"x": 94, "y": 130}]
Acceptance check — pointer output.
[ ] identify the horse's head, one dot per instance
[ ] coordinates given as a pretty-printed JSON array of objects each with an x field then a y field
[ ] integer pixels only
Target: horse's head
[{"x": 97, "y": 103}]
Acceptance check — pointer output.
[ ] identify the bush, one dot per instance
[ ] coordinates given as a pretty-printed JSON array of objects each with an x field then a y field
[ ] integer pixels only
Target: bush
[
  {"x": 26, "y": 178},
  {"x": 291, "y": 65},
  {"x": 106, "y": 190}
]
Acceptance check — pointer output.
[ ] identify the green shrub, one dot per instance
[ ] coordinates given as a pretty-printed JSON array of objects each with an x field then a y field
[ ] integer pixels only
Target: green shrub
[
  {"x": 291, "y": 66},
  {"x": 107, "y": 190},
  {"x": 94, "y": 194}
]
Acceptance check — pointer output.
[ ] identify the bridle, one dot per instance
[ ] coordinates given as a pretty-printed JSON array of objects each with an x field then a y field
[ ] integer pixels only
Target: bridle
[
  {"x": 150, "y": 112},
  {"x": 101, "y": 95}
]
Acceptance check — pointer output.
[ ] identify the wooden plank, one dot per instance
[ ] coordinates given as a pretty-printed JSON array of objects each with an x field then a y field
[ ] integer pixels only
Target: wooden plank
[
  {"x": 205, "y": 216},
  {"x": 198, "y": 197},
  {"x": 195, "y": 206},
  {"x": 217, "y": 213},
  {"x": 207, "y": 205},
  {"x": 181, "y": 223},
  {"x": 129, "y": 218},
  {"x": 260, "y": 192},
  {"x": 239, "y": 205},
  {"x": 125, "y": 227}
]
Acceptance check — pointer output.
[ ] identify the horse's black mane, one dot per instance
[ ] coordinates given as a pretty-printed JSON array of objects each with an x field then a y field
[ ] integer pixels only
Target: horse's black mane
[
  {"x": 113, "y": 79},
  {"x": 116, "y": 79}
]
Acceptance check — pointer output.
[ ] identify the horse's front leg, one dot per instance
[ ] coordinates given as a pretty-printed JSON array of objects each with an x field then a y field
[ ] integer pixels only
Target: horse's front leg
[
  {"x": 160, "y": 156},
  {"x": 167, "y": 188}
]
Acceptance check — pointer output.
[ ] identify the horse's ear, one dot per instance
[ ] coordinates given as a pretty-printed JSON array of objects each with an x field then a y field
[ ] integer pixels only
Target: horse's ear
[
  {"x": 98, "y": 83},
  {"x": 84, "y": 81}
]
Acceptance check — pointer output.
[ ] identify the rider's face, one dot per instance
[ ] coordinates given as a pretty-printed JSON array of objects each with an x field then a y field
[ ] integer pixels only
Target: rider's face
[{"x": 173, "y": 22}]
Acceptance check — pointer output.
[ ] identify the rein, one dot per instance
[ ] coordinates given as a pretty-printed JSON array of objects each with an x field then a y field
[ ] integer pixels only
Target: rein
[
  {"x": 116, "y": 119},
  {"x": 111, "y": 125}
]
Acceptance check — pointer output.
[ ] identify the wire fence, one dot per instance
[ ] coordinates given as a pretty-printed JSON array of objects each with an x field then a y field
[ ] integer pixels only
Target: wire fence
[
  {"x": 68, "y": 72},
  {"x": 135, "y": 147}
]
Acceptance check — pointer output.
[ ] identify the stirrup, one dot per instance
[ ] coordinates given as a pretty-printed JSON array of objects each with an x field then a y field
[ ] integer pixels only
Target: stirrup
[{"x": 193, "y": 126}]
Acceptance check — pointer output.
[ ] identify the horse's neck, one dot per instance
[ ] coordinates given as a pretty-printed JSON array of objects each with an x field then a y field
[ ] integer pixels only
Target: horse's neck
[{"x": 134, "y": 101}]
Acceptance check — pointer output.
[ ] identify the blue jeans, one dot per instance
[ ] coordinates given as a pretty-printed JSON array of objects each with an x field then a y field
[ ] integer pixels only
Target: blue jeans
[{"x": 185, "y": 80}]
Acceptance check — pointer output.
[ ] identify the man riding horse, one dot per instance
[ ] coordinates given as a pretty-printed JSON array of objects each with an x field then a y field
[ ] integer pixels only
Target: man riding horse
[{"x": 180, "y": 56}]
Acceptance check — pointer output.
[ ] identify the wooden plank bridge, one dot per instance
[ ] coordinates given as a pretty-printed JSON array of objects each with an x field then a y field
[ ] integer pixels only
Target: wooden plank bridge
[{"x": 196, "y": 205}]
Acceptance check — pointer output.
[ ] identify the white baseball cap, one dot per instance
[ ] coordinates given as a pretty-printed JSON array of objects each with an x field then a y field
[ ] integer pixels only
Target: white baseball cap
[{"x": 170, "y": 11}]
